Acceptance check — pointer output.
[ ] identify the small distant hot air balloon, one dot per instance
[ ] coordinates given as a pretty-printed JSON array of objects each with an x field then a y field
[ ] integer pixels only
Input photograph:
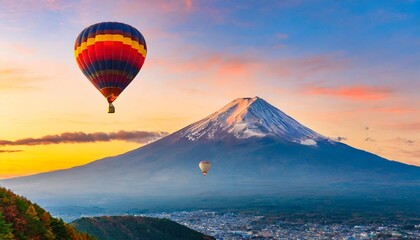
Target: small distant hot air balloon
[
  {"x": 110, "y": 54},
  {"x": 205, "y": 167}
]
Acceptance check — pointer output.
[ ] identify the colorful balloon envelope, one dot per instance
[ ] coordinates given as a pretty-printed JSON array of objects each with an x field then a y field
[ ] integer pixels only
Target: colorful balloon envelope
[
  {"x": 110, "y": 55},
  {"x": 204, "y": 167}
]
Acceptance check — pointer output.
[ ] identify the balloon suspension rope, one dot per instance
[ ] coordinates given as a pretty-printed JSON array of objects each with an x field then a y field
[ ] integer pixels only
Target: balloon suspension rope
[{"x": 111, "y": 108}]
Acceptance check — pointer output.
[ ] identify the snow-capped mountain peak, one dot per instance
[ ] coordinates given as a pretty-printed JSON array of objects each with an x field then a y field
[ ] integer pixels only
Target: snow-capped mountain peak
[{"x": 250, "y": 117}]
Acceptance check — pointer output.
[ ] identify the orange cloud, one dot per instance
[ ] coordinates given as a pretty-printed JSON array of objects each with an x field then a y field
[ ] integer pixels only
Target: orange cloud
[
  {"x": 13, "y": 78},
  {"x": 360, "y": 92},
  {"x": 18, "y": 78}
]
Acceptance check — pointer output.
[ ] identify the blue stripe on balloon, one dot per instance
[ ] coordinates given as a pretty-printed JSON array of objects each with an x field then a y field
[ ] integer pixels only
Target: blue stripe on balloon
[
  {"x": 116, "y": 62},
  {"x": 130, "y": 70}
]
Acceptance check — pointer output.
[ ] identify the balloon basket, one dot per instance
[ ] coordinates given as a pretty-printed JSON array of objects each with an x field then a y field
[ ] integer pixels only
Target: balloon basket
[{"x": 111, "y": 108}]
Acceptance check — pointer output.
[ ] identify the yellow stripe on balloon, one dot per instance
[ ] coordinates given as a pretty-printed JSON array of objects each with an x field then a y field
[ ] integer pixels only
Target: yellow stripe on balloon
[
  {"x": 83, "y": 46},
  {"x": 107, "y": 38},
  {"x": 135, "y": 45},
  {"x": 90, "y": 41},
  {"x": 127, "y": 41},
  {"x": 99, "y": 38},
  {"x": 110, "y": 38},
  {"x": 142, "y": 51},
  {"x": 118, "y": 38},
  {"x": 139, "y": 48}
]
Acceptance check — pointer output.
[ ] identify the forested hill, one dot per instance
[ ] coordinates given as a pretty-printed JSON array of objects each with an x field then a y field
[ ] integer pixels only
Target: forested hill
[
  {"x": 139, "y": 228},
  {"x": 21, "y": 219}
]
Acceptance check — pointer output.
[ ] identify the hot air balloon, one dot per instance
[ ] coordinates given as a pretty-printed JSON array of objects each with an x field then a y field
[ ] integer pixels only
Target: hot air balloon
[
  {"x": 205, "y": 167},
  {"x": 110, "y": 54}
]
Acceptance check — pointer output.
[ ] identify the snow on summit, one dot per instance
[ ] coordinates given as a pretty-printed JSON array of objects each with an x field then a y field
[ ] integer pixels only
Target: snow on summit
[{"x": 249, "y": 117}]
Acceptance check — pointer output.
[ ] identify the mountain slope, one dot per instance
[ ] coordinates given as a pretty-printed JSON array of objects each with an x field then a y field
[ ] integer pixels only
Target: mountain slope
[
  {"x": 248, "y": 117},
  {"x": 136, "y": 228},
  {"x": 255, "y": 149},
  {"x": 21, "y": 219}
]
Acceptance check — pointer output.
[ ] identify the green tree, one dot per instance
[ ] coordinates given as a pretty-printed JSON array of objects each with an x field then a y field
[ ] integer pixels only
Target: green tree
[
  {"x": 59, "y": 229},
  {"x": 5, "y": 229}
]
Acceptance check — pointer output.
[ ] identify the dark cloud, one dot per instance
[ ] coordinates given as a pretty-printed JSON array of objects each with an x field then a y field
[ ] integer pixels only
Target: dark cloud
[
  {"x": 367, "y": 128},
  {"x": 81, "y": 137},
  {"x": 404, "y": 140},
  {"x": 10, "y": 151},
  {"x": 340, "y": 139},
  {"x": 368, "y": 139}
]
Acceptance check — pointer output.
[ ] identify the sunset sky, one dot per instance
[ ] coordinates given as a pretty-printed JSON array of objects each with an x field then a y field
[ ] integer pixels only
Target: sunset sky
[{"x": 349, "y": 70}]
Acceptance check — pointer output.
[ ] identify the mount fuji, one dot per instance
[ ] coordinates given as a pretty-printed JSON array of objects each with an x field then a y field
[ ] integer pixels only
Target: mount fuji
[
  {"x": 248, "y": 117},
  {"x": 255, "y": 149}
]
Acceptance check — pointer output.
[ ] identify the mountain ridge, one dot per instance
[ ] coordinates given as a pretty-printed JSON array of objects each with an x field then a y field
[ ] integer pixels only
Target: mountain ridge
[
  {"x": 277, "y": 165},
  {"x": 136, "y": 228},
  {"x": 248, "y": 117}
]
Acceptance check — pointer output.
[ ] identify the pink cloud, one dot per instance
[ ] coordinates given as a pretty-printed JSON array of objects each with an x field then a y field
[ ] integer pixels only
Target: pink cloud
[
  {"x": 249, "y": 63},
  {"x": 303, "y": 68},
  {"x": 212, "y": 74},
  {"x": 241, "y": 74},
  {"x": 179, "y": 7},
  {"x": 411, "y": 126},
  {"x": 23, "y": 49},
  {"x": 357, "y": 92},
  {"x": 396, "y": 109},
  {"x": 188, "y": 4},
  {"x": 16, "y": 9}
]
